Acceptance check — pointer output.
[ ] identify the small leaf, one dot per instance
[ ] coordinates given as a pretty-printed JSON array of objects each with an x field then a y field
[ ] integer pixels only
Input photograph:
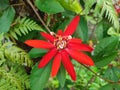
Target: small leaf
[
  {"x": 39, "y": 77},
  {"x": 49, "y": 6},
  {"x": 111, "y": 31},
  {"x": 106, "y": 46},
  {"x": 61, "y": 76},
  {"x": 35, "y": 52},
  {"x": 111, "y": 74},
  {"x": 6, "y": 19}
]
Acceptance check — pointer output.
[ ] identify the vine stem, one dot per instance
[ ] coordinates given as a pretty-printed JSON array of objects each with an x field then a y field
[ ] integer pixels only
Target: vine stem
[
  {"x": 19, "y": 4},
  {"x": 37, "y": 14},
  {"x": 110, "y": 81}
]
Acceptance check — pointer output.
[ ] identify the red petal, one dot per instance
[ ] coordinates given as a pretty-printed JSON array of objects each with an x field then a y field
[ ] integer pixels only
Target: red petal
[
  {"x": 56, "y": 64},
  {"x": 81, "y": 47},
  {"x": 68, "y": 65},
  {"x": 118, "y": 10},
  {"x": 60, "y": 32},
  {"x": 72, "y": 26},
  {"x": 44, "y": 61},
  {"x": 47, "y": 36},
  {"x": 39, "y": 44},
  {"x": 80, "y": 57},
  {"x": 75, "y": 41}
]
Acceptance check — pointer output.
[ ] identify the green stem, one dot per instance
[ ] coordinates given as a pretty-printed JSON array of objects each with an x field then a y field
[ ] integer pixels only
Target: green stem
[{"x": 107, "y": 80}]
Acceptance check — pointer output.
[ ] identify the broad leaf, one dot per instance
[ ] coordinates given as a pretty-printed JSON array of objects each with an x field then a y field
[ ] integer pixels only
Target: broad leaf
[
  {"x": 106, "y": 87},
  {"x": 106, "y": 46},
  {"x": 105, "y": 51},
  {"x": 6, "y": 19},
  {"x": 39, "y": 77},
  {"x": 4, "y": 4},
  {"x": 110, "y": 87},
  {"x": 49, "y": 6},
  {"x": 61, "y": 76},
  {"x": 116, "y": 86},
  {"x": 71, "y": 5},
  {"x": 35, "y": 52},
  {"x": 102, "y": 61}
]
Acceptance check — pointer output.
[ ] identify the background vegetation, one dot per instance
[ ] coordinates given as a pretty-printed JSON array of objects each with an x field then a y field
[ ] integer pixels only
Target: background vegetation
[{"x": 99, "y": 26}]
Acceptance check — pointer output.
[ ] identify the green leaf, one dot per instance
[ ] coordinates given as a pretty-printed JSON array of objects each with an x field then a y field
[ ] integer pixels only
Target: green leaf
[
  {"x": 106, "y": 87},
  {"x": 72, "y": 5},
  {"x": 49, "y": 6},
  {"x": 106, "y": 46},
  {"x": 116, "y": 86},
  {"x": 6, "y": 19},
  {"x": 105, "y": 51},
  {"x": 109, "y": 12},
  {"x": 117, "y": 71},
  {"x": 88, "y": 5},
  {"x": 111, "y": 74},
  {"x": 82, "y": 30},
  {"x": 35, "y": 52},
  {"x": 64, "y": 24},
  {"x": 4, "y": 4},
  {"x": 61, "y": 76},
  {"x": 102, "y": 61},
  {"x": 101, "y": 30},
  {"x": 110, "y": 87},
  {"x": 39, "y": 77}
]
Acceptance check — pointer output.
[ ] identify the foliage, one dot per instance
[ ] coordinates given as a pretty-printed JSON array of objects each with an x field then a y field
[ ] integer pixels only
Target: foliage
[
  {"x": 110, "y": 13},
  {"x": 39, "y": 77},
  {"x": 103, "y": 8},
  {"x": 14, "y": 78},
  {"x": 50, "y": 7},
  {"x": 5, "y": 26},
  {"x": 12, "y": 74},
  {"x": 17, "y": 55},
  {"x": 72, "y": 5},
  {"x": 23, "y": 26},
  {"x": 24, "y": 19}
]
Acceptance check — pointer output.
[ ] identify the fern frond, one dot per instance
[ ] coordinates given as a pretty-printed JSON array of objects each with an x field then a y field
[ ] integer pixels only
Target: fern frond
[
  {"x": 88, "y": 5},
  {"x": 110, "y": 13},
  {"x": 5, "y": 85},
  {"x": 23, "y": 26},
  {"x": 16, "y": 54},
  {"x": 2, "y": 57},
  {"x": 14, "y": 79}
]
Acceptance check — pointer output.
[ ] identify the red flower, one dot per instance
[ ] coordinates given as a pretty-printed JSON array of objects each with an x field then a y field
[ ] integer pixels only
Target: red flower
[
  {"x": 117, "y": 8},
  {"x": 61, "y": 46}
]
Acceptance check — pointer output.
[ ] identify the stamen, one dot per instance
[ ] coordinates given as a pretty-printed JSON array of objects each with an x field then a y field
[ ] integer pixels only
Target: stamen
[{"x": 61, "y": 41}]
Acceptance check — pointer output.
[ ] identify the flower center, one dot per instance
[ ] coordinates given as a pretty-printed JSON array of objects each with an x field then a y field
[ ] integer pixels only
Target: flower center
[{"x": 61, "y": 41}]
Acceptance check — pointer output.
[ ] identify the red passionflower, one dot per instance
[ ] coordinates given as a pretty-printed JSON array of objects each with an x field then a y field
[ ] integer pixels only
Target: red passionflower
[
  {"x": 117, "y": 8},
  {"x": 61, "y": 46}
]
